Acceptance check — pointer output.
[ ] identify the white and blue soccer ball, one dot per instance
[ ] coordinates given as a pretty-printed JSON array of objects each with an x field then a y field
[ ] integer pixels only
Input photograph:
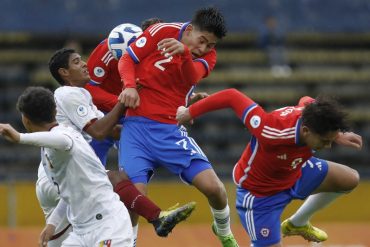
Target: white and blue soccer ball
[{"x": 121, "y": 37}]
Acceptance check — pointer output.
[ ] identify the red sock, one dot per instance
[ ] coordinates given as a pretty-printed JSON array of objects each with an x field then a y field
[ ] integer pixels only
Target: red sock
[{"x": 135, "y": 201}]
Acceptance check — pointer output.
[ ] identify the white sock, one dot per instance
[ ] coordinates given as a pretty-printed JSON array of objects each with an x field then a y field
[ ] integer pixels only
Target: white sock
[
  {"x": 135, "y": 230},
  {"x": 222, "y": 220},
  {"x": 312, "y": 204}
]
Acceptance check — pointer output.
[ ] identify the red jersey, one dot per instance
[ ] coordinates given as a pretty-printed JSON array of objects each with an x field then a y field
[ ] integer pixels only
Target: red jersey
[
  {"x": 105, "y": 84},
  {"x": 165, "y": 83},
  {"x": 273, "y": 158}
]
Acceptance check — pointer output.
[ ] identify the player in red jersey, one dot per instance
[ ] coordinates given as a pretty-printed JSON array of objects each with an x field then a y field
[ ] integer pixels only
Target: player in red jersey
[
  {"x": 169, "y": 59},
  {"x": 278, "y": 164}
]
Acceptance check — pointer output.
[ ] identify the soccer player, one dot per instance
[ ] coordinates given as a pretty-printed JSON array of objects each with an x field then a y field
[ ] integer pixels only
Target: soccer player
[
  {"x": 105, "y": 86},
  {"x": 169, "y": 59},
  {"x": 278, "y": 164},
  {"x": 75, "y": 109},
  {"x": 97, "y": 215}
]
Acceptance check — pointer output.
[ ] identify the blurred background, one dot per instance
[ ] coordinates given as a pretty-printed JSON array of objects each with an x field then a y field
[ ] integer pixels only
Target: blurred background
[{"x": 275, "y": 52}]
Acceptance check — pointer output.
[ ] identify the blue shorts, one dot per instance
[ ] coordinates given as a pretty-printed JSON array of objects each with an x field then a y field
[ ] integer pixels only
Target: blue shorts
[
  {"x": 146, "y": 144},
  {"x": 101, "y": 148},
  {"x": 260, "y": 216}
]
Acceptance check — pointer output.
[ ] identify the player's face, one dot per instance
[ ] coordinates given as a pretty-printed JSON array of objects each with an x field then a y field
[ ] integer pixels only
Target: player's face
[
  {"x": 316, "y": 141},
  {"x": 77, "y": 73},
  {"x": 199, "y": 42}
]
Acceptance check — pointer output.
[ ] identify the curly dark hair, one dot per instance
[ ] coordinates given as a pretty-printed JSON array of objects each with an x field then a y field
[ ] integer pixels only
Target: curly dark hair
[
  {"x": 148, "y": 22},
  {"x": 325, "y": 115},
  {"x": 59, "y": 60},
  {"x": 211, "y": 20},
  {"x": 37, "y": 104}
]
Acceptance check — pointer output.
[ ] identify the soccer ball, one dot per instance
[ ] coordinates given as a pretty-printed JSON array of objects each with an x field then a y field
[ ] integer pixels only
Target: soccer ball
[{"x": 121, "y": 37}]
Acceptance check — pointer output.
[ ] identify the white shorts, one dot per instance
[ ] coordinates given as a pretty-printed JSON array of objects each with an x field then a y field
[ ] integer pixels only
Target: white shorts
[
  {"x": 115, "y": 231},
  {"x": 48, "y": 198}
]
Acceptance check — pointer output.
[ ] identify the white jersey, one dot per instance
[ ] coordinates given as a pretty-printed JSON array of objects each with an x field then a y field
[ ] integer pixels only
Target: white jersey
[
  {"x": 75, "y": 108},
  {"x": 72, "y": 166}
]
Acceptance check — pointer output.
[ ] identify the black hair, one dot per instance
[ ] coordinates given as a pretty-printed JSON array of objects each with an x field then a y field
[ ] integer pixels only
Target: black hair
[
  {"x": 211, "y": 20},
  {"x": 148, "y": 22},
  {"x": 37, "y": 104},
  {"x": 325, "y": 115},
  {"x": 59, "y": 60}
]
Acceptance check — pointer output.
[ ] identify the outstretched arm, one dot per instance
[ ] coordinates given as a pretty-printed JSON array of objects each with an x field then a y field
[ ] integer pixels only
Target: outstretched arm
[
  {"x": 229, "y": 98},
  {"x": 41, "y": 139}
]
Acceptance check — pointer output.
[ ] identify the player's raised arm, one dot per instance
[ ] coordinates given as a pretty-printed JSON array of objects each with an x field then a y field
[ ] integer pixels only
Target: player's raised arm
[{"x": 229, "y": 98}]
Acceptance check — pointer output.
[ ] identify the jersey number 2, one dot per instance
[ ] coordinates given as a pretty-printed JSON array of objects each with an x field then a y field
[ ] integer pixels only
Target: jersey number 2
[{"x": 159, "y": 63}]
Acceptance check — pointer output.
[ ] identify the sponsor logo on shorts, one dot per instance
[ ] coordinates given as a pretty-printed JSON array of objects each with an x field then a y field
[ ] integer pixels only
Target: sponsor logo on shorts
[{"x": 265, "y": 232}]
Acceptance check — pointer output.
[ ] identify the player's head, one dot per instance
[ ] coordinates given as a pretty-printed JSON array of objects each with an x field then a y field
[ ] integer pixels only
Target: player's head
[
  {"x": 67, "y": 67},
  {"x": 206, "y": 28},
  {"x": 322, "y": 120},
  {"x": 37, "y": 106},
  {"x": 148, "y": 22}
]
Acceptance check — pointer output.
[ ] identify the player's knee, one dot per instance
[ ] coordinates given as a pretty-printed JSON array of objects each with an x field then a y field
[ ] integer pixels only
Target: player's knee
[
  {"x": 115, "y": 177},
  {"x": 216, "y": 190},
  {"x": 353, "y": 179}
]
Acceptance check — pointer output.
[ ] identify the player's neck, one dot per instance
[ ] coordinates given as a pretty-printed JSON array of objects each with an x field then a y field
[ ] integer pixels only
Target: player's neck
[{"x": 44, "y": 127}]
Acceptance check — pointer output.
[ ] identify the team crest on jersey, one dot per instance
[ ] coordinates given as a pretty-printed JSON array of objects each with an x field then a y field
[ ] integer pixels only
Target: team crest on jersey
[
  {"x": 255, "y": 121},
  {"x": 105, "y": 243},
  {"x": 82, "y": 110},
  {"x": 99, "y": 72},
  {"x": 265, "y": 232},
  {"x": 141, "y": 42}
]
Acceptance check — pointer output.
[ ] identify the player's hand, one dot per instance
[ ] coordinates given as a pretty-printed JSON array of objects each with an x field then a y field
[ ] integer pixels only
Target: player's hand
[
  {"x": 170, "y": 47},
  {"x": 349, "y": 139},
  {"x": 9, "y": 133},
  {"x": 129, "y": 97},
  {"x": 46, "y": 234},
  {"x": 183, "y": 115},
  {"x": 197, "y": 96}
]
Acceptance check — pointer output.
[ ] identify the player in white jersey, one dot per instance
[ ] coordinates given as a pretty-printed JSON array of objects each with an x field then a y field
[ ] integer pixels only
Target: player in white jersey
[{"x": 95, "y": 212}]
